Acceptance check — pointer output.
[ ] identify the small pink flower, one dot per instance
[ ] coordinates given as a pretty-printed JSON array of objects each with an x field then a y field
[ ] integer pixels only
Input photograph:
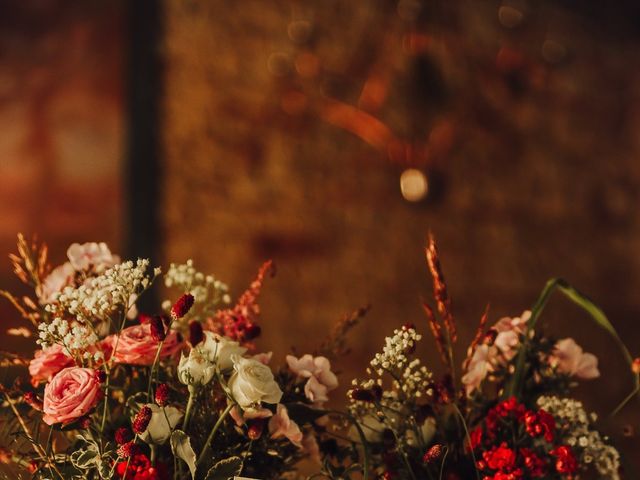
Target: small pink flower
[
  {"x": 570, "y": 359},
  {"x": 136, "y": 345},
  {"x": 508, "y": 333},
  {"x": 46, "y": 363},
  {"x": 71, "y": 394},
  {"x": 96, "y": 256},
  {"x": 280, "y": 425},
  {"x": 479, "y": 367},
  {"x": 240, "y": 417},
  {"x": 55, "y": 282},
  {"x": 318, "y": 371},
  {"x": 315, "y": 391}
]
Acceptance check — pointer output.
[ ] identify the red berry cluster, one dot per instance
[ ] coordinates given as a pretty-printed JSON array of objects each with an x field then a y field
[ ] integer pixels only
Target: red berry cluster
[{"x": 515, "y": 443}]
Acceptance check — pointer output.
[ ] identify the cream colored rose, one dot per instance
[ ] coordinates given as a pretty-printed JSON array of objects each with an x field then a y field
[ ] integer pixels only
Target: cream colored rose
[
  {"x": 219, "y": 349},
  {"x": 196, "y": 369},
  {"x": 159, "y": 429},
  {"x": 252, "y": 382}
]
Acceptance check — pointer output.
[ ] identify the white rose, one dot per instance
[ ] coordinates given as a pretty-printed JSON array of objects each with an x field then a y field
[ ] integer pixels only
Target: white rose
[
  {"x": 196, "y": 369},
  {"x": 220, "y": 349},
  {"x": 252, "y": 382},
  {"x": 159, "y": 430}
]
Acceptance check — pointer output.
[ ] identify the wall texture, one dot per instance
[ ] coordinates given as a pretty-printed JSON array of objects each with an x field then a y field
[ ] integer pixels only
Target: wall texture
[{"x": 287, "y": 126}]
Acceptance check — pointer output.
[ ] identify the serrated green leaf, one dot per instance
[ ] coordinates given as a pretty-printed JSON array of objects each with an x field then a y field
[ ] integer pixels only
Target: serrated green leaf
[
  {"x": 181, "y": 447},
  {"x": 84, "y": 459},
  {"x": 225, "y": 469}
]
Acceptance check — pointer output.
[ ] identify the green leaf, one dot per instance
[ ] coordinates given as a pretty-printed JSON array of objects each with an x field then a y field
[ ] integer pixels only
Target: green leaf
[
  {"x": 225, "y": 469},
  {"x": 84, "y": 459},
  {"x": 181, "y": 447}
]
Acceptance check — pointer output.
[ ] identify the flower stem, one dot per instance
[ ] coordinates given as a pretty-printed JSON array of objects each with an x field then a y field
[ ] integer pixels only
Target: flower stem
[
  {"x": 213, "y": 433},
  {"x": 187, "y": 413}
]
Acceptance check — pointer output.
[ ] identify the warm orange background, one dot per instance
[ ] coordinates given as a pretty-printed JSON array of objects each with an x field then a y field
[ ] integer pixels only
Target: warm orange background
[{"x": 285, "y": 127}]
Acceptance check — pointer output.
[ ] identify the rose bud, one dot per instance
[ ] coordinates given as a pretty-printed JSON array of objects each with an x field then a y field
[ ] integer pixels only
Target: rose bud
[
  {"x": 127, "y": 450},
  {"x": 182, "y": 306},
  {"x": 254, "y": 432},
  {"x": 158, "y": 332},
  {"x": 433, "y": 454},
  {"x": 252, "y": 331},
  {"x": 123, "y": 435},
  {"x": 196, "y": 335},
  {"x": 142, "y": 419},
  {"x": 33, "y": 401},
  {"x": 162, "y": 394}
]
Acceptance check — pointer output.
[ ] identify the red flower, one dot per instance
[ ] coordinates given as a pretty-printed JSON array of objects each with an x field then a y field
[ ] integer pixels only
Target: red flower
[
  {"x": 182, "y": 306},
  {"x": 566, "y": 462},
  {"x": 540, "y": 424},
  {"x": 162, "y": 394},
  {"x": 510, "y": 406},
  {"x": 142, "y": 419},
  {"x": 475, "y": 438},
  {"x": 158, "y": 332},
  {"x": 127, "y": 450},
  {"x": 515, "y": 475},
  {"x": 535, "y": 465},
  {"x": 500, "y": 458},
  {"x": 140, "y": 468},
  {"x": 123, "y": 435},
  {"x": 433, "y": 454},
  {"x": 196, "y": 334}
]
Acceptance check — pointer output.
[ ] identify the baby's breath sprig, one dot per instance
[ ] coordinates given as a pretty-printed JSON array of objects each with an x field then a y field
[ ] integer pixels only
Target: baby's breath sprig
[{"x": 208, "y": 292}]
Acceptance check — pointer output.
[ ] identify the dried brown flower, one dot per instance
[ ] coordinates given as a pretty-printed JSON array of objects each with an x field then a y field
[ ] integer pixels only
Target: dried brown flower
[{"x": 440, "y": 293}]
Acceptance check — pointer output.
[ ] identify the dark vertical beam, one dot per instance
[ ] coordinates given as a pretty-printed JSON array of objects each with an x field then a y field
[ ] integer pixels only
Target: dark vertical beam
[{"x": 143, "y": 165}]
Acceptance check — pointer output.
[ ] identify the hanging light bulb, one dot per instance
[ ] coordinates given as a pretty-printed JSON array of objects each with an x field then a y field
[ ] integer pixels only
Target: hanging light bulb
[{"x": 414, "y": 185}]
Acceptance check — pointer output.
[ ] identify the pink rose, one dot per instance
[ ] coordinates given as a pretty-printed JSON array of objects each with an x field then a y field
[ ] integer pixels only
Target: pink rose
[
  {"x": 55, "y": 282},
  {"x": 46, "y": 363},
  {"x": 280, "y": 425},
  {"x": 570, "y": 359},
  {"x": 71, "y": 394},
  {"x": 137, "y": 347},
  {"x": 96, "y": 256}
]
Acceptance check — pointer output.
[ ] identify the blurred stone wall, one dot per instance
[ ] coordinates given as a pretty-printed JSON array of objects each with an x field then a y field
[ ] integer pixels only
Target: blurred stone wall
[
  {"x": 288, "y": 124},
  {"x": 61, "y": 130}
]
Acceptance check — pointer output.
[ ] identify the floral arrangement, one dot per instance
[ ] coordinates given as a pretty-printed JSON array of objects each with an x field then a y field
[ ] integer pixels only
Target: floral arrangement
[
  {"x": 506, "y": 414},
  {"x": 182, "y": 394}
]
